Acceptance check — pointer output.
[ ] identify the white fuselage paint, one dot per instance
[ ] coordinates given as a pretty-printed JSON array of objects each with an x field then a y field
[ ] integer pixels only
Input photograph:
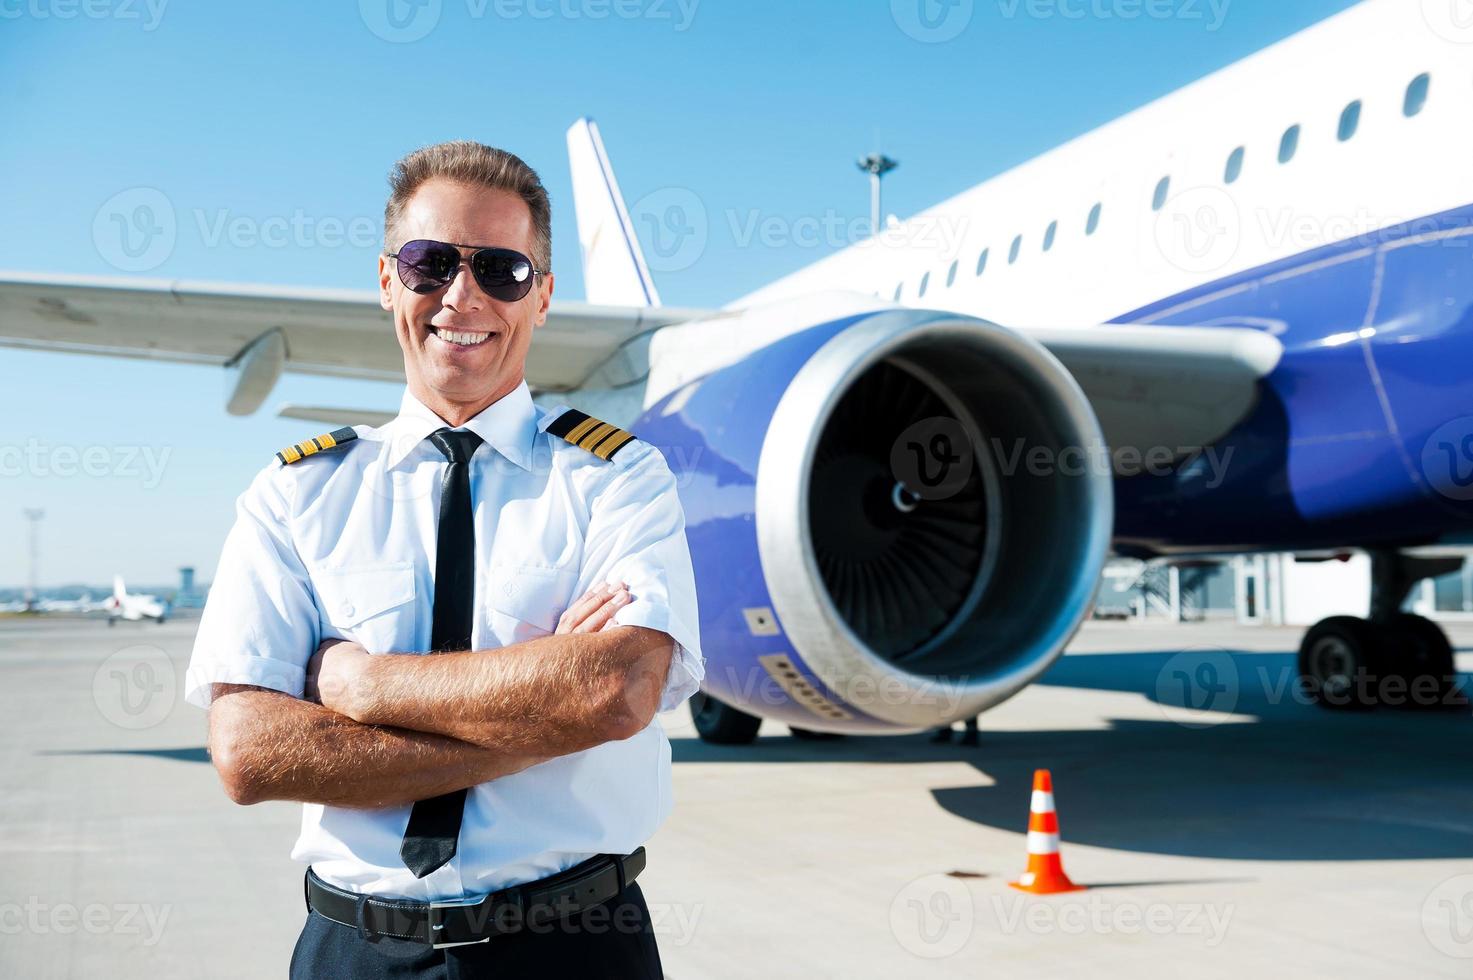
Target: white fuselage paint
[{"x": 1394, "y": 169}]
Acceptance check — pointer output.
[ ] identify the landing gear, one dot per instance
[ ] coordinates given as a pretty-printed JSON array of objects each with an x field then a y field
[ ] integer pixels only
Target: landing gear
[
  {"x": 1419, "y": 665},
  {"x": 970, "y": 738},
  {"x": 1393, "y": 658},
  {"x": 720, "y": 723},
  {"x": 1336, "y": 654}
]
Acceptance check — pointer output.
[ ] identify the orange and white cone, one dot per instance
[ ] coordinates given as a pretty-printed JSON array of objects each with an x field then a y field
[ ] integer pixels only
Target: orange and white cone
[{"x": 1045, "y": 874}]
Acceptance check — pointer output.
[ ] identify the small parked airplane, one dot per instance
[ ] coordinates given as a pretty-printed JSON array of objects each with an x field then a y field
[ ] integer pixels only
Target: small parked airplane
[{"x": 133, "y": 606}]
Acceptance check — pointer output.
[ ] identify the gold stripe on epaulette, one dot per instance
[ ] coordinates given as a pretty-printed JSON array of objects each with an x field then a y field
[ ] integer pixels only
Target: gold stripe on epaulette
[
  {"x": 316, "y": 444},
  {"x": 581, "y": 429},
  {"x": 596, "y": 436},
  {"x": 601, "y": 438},
  {"x": 611, "y": 445}
]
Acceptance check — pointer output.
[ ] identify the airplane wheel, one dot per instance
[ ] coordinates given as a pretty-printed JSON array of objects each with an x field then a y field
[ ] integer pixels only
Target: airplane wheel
[
  {"x": 1337, "y": 656},
  {"x": 721, "y": 724},
  {"x": 111, "y": 622},
  {"x": 809, "y": 735},
  {"x": 1423, "y": 651}
]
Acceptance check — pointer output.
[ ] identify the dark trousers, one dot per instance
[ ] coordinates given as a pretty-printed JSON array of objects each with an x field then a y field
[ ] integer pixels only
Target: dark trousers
[{"x": 612, "y": 940}]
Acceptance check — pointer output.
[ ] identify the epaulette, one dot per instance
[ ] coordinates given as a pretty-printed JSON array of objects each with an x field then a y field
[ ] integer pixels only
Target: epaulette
[
  {"x": 601, "y": 438},
  {"x": 302, "y": 450}
]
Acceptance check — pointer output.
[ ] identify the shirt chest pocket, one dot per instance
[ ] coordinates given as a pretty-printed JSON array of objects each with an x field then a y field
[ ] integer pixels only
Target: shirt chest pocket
[
  {"x": 526, "y": 601},
  {"x": 372, "y": 605}
]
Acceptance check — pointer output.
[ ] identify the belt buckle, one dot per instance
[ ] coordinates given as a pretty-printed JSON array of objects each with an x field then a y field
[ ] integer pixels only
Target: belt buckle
[
  {"x": 436, "y": 921},
  {"x": 436, "y": 918}
]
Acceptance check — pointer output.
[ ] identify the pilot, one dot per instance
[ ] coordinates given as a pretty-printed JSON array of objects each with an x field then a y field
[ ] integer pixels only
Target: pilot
[{"x": 448, "y": 637}]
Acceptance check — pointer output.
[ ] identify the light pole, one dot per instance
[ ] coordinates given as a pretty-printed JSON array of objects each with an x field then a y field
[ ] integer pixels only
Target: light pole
[
  {"x": 877, "y": 165},
  {"x": 33, "y": 517}
]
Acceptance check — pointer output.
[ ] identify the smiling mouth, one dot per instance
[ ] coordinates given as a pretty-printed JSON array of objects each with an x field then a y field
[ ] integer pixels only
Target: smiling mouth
[{"x": 461, "y": 338}]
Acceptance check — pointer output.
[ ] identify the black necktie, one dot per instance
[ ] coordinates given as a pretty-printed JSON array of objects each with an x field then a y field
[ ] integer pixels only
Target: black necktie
[{"x": 434, "y": 824}]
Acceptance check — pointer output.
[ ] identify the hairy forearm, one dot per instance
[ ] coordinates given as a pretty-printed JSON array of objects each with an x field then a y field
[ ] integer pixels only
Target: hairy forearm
[
  {"x": 553, "y": 695},
  {"x": 270, "y": 746}
]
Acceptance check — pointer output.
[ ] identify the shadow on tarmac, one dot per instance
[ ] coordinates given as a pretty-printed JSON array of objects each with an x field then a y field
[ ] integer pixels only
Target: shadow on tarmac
[{"x": 1238, "y": 766}]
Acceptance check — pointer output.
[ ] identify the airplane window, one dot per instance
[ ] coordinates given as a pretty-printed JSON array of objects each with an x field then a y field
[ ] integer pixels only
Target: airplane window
[
  {"x": 898, "y": 288},
  {"x": 1289, "y": 145},
  {"x": 1416, "y": 95},
  {"x": 1013, "y": 252},
  {"x": 1094, "y": 220},
  {"x": 1349, "y": 121},
  {"x": 1048, "y": 236},
  {"x": 925, "y": 281},
  {"x": 1158, "y": 200},
  {"x": 1234, "y": 166},
  {"x": 982, "y": 262},
  {"x": 951, "y": 274}
]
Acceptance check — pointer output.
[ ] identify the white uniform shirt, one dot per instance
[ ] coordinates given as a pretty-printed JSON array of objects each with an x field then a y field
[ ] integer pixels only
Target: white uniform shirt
[{"x": 342, "y": 544}]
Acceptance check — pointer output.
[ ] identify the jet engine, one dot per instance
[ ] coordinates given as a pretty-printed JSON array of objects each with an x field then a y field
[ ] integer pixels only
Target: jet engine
[{"x": 897, "y": 519}]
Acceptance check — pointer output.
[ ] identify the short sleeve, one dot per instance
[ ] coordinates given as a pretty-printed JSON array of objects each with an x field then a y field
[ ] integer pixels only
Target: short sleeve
[
  {"x": 259, "y": 626},
  {"x": 636, "y": 534}
]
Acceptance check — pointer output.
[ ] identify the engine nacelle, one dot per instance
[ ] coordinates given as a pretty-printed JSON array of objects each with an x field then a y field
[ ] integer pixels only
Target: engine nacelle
[{"x": 888, "y": 518}]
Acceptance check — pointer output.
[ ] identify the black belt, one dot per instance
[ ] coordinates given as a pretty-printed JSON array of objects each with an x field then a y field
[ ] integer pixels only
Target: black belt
[{"x": 476, "y": 920}]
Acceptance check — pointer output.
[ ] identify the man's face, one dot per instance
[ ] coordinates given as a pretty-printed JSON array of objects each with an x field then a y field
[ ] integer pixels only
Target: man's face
[{"x": 433, "y": 328}]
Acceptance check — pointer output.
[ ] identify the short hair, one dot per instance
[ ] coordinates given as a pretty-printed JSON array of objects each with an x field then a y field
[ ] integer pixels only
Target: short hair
[{"x": 468, "y": 162}]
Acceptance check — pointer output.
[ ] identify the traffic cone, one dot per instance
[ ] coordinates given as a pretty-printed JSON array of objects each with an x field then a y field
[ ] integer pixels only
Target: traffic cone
[{"x": 1045, "y": 874}]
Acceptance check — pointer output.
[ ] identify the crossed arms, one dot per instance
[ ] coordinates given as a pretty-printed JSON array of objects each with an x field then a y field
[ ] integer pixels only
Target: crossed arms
[{"x": 389, "y": 730}]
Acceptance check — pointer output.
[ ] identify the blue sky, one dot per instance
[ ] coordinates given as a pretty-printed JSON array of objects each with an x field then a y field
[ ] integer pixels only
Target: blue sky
[{"x": 275, "y": 116}]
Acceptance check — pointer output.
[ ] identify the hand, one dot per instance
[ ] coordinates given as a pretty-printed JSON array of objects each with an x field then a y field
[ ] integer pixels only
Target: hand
[
  {"x": 333, "y": 674},
  {"x": 594, "y": 612}
]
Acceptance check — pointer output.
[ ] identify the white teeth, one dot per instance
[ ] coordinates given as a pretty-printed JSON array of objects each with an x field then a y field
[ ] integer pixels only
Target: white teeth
[{"x": 460, "y": 336}]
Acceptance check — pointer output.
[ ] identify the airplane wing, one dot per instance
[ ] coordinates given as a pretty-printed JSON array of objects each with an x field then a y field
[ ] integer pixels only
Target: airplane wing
[
  {"x": 313, "y": 331},
  {"x": 1177, "y": 387},
  {"x": 1150, "y": 385},
  {"x": 334, "y": 416}
]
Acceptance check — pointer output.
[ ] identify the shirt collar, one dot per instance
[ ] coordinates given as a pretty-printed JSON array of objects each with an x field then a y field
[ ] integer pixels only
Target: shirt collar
[{"x": 508, "y": 425}]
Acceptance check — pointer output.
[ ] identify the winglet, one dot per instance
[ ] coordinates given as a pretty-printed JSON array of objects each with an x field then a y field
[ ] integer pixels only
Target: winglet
[{"x": 614, "y": 270}]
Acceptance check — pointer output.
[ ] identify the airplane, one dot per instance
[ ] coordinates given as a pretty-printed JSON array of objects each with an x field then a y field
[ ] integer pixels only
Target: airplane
[
  {"x": 1237, "y": 319},
  {"x": 85, "y": 604},
  {"x": 134, "y": 606}
]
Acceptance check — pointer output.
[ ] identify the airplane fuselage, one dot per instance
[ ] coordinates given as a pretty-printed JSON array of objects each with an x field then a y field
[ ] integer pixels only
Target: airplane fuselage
[{"x": 1317, "y": 191}]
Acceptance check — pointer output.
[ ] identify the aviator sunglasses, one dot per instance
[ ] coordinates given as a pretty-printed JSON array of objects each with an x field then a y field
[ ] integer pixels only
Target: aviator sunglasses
[{"x": 503, "y": 273}]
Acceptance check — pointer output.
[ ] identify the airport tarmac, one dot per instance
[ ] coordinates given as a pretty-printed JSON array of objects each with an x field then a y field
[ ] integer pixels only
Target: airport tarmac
[{"x": 1226, "y": 830}]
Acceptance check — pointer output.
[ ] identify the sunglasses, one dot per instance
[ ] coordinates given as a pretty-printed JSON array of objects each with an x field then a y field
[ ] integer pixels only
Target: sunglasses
[{"x": 502, "y": 273}]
